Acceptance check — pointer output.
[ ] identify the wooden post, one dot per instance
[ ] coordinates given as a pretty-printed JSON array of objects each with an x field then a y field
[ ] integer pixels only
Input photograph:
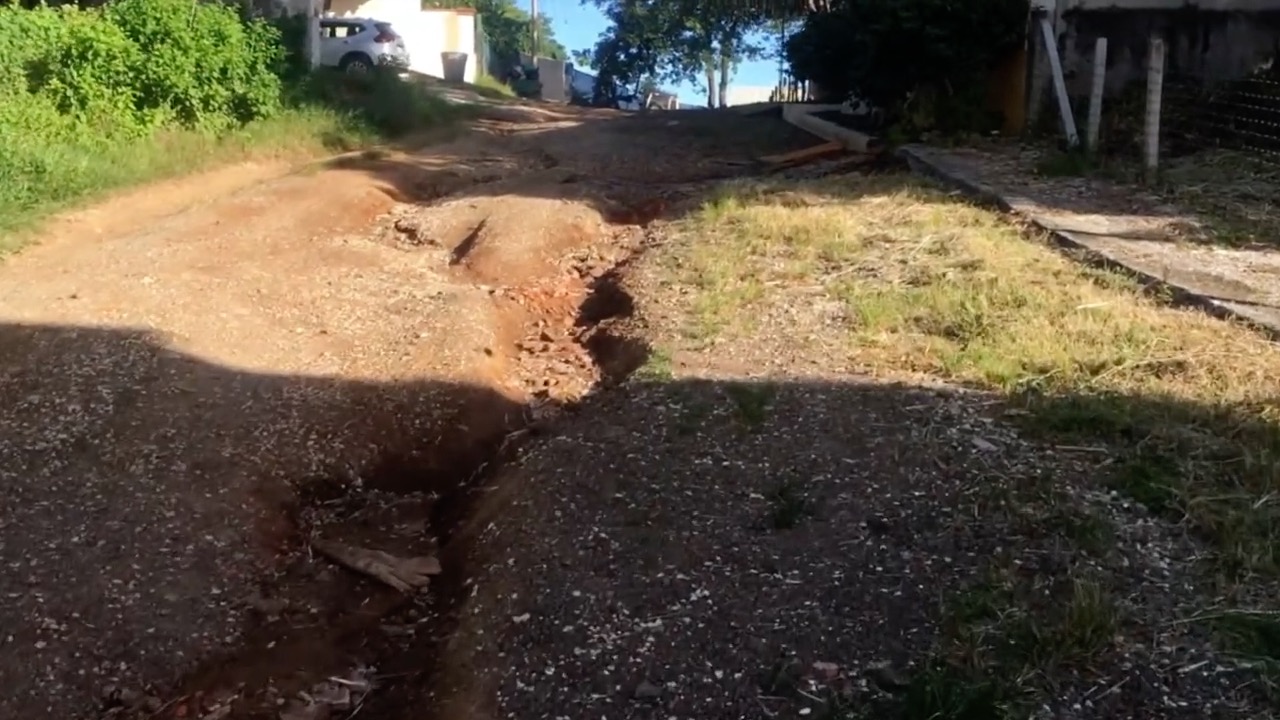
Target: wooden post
[
  {"x": 1095, "y": 94},
  {"x": 1155, "y": 91},
  {"x": 1059, "y": 83}
]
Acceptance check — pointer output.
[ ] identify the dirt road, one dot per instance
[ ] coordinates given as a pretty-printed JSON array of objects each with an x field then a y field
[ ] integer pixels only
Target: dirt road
[{"x": 196, "y": 385}]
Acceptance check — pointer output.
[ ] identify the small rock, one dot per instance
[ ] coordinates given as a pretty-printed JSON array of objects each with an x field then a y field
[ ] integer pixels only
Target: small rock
[
  {"x": 647, "y": 691},
  {"x": 887, "y": 678},
  {"x": 984, "y": 445},
  {"x": 220, "y": 713},
  {"x": 826, "y": 670},
  {"x": 269, "y": 607}
]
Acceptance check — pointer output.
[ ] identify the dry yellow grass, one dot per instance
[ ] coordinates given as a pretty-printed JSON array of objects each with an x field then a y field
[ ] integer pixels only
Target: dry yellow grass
[{"x": 934, "y": 286}]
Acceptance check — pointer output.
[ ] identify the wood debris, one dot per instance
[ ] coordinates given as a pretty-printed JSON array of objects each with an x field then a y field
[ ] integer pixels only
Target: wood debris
[
  {"x": 403, "y": 574},
  {"x": 809, "y": 154}
]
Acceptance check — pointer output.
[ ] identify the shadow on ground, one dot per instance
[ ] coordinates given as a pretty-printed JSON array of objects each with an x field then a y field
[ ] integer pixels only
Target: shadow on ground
[
  {"x": 736, "y": 545},
  {"x": 688, "y": 535}
]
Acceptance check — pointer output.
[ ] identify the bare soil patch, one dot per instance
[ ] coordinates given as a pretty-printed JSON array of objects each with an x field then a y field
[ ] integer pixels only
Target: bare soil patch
[{"x": 195, "y": 396}]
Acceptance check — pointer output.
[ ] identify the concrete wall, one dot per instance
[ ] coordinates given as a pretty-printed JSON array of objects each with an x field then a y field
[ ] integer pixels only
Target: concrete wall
[
  {"x": 1213, "y": 5},
  {"x": 426, "y": 33},
  {"x": 1210, "y": 41},
  {"x": 553, "y": 74},
  {"x": 747, "y": 94}
]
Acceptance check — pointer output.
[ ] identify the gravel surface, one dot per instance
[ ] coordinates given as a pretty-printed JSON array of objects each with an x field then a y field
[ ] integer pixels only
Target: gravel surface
[
  {"x": 649, "y": 577},
  {"x": 742, "y": 529},
  {"x": 754, "y": 532}
]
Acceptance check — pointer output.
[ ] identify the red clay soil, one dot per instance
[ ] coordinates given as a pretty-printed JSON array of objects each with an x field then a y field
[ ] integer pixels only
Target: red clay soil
[{"x": 201, "y": 378}]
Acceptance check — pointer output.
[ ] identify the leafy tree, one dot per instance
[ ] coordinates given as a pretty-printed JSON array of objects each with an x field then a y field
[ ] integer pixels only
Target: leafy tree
[
  {"x": 675, "y": 40},
  {"x": 636, "y": 46},
  {"x": 922, "y": 61}
]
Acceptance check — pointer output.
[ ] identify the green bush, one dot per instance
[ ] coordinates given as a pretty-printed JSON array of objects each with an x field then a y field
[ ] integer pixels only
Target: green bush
[
  {"x": 137, "y": 64},
  {"x": 76, "y": 84},
  {"x": 382, "y": 101},
  {"x": 88, "y": 74},
  {"x": 200, "y": 61},
  {"x": 93, "y": 99}
]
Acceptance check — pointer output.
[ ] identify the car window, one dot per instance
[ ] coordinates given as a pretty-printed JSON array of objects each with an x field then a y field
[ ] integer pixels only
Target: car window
[{"x": 339, "y": 30}]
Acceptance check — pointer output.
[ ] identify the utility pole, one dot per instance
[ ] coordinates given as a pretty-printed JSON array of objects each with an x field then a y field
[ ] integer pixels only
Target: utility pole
[
  {"x": 533, "y": 25},
  {"x": 313, "y": 33}
]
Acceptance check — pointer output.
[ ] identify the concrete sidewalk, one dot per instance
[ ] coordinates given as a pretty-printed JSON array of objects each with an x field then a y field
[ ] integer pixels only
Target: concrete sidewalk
[{"x": 1120, "y": 225}]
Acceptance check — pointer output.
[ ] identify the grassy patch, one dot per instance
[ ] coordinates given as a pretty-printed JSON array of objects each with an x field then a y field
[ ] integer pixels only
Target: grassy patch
[
  {"x": 932, "y": 287},
  {"x": 1235, "y": 193},
  {"x": 492, "y": 87},
  {"x": 1085, "y": 531},
  {"x": 327, "y": 116},
  {"x": 76, "y": 174},
  {"x": 1254, "y": 638},
  {"x": 1004, "y": 642},
  {"x": 750, "y": 403},
  {"x": 944, "y": 691},
  {"x": 657, "y": 367},
  {"x": 788, "y": 506},
  {"x": 1065, "y": 164}
]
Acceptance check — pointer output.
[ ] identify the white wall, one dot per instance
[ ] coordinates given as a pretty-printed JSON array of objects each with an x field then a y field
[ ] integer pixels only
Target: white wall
[
  {"x": 747, "y": 94},
  {"x": 426, "y": 33},
  {"x": 551, "y": 73}
]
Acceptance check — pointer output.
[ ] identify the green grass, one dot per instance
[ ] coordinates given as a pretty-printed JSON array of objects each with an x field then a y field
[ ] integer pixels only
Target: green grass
[
  {"x": 657, "y": 367},
  {"x": 940, "y": 289},
  {"x": 77, "y": 175},
  {"x": 490, "y": 86},
  {"x": 750, "y": 404},
  {"x": 788, "y": 505},
  {"x": 1235, "y": 194},
  {"x": 1254, "y": 639},
  {"x": 1167, "y": 406},
  {"x": 1005, "y": 642},
  {"x": 326, "y": 118}
]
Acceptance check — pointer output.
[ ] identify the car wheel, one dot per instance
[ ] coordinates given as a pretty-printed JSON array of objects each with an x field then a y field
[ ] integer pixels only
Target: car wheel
[{"x": 356, "y": 65}]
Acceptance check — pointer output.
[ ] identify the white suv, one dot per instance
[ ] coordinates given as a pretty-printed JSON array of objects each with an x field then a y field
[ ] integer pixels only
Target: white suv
[{"x": 358, "y": 45}]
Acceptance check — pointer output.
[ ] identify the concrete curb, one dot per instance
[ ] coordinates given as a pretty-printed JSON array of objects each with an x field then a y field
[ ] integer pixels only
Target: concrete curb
[
  {"x": 802, "y": 116},
  {"x": 1080, "y": 246}
]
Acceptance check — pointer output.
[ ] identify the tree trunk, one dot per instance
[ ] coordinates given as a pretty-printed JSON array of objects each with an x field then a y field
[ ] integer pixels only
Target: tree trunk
[
  {"x": 725, "y": 64},
  {"x": 711, "y": 83}
]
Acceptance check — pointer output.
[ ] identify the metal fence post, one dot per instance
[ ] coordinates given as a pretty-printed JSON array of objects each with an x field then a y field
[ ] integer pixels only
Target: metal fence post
[{"x": 1155, "y": 87}]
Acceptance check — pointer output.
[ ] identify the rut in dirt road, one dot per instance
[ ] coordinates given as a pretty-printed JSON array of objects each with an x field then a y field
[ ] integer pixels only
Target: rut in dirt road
[{"x": 191, "y": 401}]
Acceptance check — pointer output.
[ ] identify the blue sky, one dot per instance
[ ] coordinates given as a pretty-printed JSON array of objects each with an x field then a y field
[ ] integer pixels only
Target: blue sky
[{"x": 577, "y": 26}]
